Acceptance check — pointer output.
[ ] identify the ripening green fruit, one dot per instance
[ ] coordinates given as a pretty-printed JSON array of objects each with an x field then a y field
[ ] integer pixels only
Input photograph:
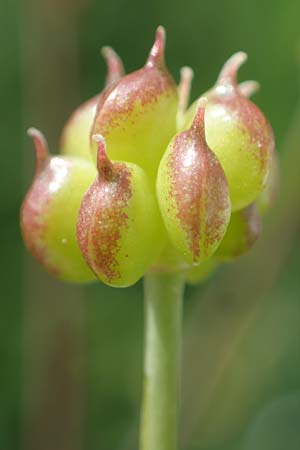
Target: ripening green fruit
[
  {"x": 119, "y": 228},
  {"x": 243, "y": 231},
  {"x": 75, "y": 138},
  {"x": 270, "y": 192},
  {"x": 49, "y": 212},
  {"x": 138, "y": 117},
  {"x": 198, "y": 274},
  {"x": 239, "y": 134},
  {"x": 193, "y": 193}
]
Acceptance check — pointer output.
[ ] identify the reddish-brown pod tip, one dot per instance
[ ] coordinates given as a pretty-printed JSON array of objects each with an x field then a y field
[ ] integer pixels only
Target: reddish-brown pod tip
[
  {"x": 115, "y": 68},
  {"x": 138, "y": 117},
  {"x": 119, "y": 229},
  {"x": 193, "y": 193},
  {"x": 75, "y": 138},
  {"x": 49, "y": 212},
  {"x": 238, "y": 133}
]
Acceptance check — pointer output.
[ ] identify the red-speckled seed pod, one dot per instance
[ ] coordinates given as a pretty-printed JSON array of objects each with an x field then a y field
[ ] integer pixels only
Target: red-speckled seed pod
[
  {"x": 243, "y": 231},
  {"x": 119, "y": 228},
  {"x": 49, "y": 212},
  {"x": 193, "y": 193},
  {"x": 75, "y": 138},
  {"x": 238, "y": 133},
  {"x": 138, "y": 117}
]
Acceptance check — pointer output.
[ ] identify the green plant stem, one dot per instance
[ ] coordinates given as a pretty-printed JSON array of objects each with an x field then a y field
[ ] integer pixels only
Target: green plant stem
[{"x": 163, "y": 317}]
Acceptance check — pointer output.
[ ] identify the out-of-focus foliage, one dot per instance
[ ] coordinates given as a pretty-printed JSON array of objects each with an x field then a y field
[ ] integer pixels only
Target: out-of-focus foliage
[{"x": 71, "y": 358}]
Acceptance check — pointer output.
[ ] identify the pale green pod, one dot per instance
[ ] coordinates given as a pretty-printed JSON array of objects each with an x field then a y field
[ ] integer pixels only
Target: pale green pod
[{"x": 49, "y": 212}]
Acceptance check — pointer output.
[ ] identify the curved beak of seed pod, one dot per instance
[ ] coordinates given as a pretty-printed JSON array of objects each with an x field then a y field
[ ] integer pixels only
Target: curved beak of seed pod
[
  {"x": 228, "y": 74},
  {"x": 104, "y": 165},
  {"x": 198, "y": 123},
  {"x": 156, "y": 56},
  {"x": 115, "y": 68},
  {"x": 184, "y": 90},
  {"x": 248, "y": 88},
  {"x": 41, "y": 147}
]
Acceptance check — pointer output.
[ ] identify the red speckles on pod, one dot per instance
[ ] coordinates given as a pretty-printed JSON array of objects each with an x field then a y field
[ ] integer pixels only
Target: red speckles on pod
[
  {"x": 41, "y": 148},
  {"x": 193, "y": 193},
  {"x": 119, "y": 230},
  {"x": 138, "y": 116}
]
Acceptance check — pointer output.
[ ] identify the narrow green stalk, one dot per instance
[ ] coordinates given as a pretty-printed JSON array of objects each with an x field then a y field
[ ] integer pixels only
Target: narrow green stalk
[{"x": 163, "y": 317}]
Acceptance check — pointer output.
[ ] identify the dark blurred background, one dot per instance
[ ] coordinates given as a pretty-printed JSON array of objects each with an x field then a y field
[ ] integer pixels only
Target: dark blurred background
[{"x": 71, "y": 357}]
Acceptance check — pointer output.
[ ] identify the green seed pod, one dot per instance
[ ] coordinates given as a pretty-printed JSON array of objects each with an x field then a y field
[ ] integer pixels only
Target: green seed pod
[
  {"x": 75, "y": 138},
  {"x": 193, "y": 193},
  {"x": 138, "y": 117},
  {"x": 199, "y": 274},
  {"x": 239, "y": 134},
  {"x": 119, "y": 229},
  {"x": 49, "y": 212},
  {"x": 243, "y": 231}
]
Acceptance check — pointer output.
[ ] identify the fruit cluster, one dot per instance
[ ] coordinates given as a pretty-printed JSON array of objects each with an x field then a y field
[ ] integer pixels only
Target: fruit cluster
[{"x": 143, "y": 183}]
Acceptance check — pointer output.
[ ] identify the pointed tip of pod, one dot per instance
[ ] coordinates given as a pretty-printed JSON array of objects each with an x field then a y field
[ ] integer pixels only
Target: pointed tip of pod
[
  {"x": 228, "y": 74},
  {"x": 156, "y": 56},
  {"x": 198, "y": 122},
  {"x": 186, "y": 75},
  {"x": 104, "y": 165},
  {"x": 248, "y": 88},
  {"x": 115, "y": 67},
  {"x": 41, "y": 146},
  {"x": 184, "y": 88}
]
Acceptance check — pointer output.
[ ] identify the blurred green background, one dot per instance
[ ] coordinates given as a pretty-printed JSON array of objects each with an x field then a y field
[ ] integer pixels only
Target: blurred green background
[{"x": 71, "y": 357}]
